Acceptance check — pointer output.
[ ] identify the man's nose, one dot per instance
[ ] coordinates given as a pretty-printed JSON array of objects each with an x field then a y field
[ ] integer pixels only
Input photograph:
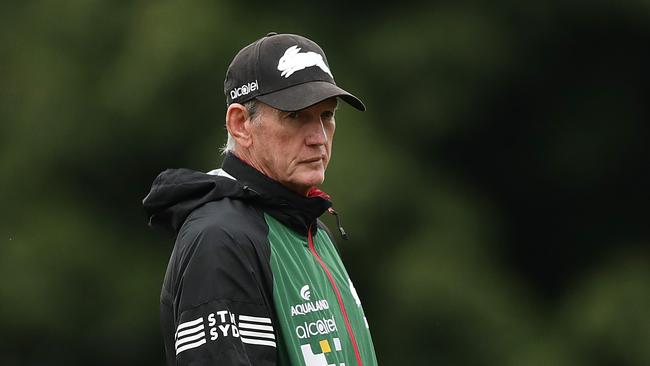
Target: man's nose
[{"x": 316, "y": 134}]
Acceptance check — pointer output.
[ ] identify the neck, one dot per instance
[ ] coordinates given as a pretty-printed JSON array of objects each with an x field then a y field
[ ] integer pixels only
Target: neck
[
  {"x": 247, "y": 158},
  {"x": 294, "y": 210}
]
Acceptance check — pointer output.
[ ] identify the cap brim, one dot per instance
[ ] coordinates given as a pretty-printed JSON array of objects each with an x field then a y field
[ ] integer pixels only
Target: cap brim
[{"x": 301, "y": 96}]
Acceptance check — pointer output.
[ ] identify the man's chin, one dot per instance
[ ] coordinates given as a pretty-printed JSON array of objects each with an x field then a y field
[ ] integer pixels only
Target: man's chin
[{"x": 307, "y": 180}]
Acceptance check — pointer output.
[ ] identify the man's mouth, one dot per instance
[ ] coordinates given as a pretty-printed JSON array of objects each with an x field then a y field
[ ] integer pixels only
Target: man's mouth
[{"x": 312, "y": 160}]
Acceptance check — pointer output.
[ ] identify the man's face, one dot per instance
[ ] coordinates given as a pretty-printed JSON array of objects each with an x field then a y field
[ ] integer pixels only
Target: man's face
[{"x": 294, "y": 147}]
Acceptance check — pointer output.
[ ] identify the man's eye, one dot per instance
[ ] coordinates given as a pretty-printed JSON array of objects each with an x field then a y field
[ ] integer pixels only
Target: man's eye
[
  {"x": 327, "y": 115},
  {"x": 293, "y": 115}
]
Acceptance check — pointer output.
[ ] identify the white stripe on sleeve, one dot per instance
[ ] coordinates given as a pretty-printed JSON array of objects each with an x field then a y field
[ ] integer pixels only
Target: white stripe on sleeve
[
  {"x": 258, "y": 341},
  {"x": 256, "y": 326},
  {"x": 187, "y": 325},
  {"x": 254, "y": 319},
  {"x": 190, "y": 346},
  {"x": 248, "y": 333},
  {"x": 189, "y": 339},
  {"x": 189, "y": 331}
]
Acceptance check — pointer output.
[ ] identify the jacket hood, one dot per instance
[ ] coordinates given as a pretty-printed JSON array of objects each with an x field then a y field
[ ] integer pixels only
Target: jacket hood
[{"x": 175, "y": 193}]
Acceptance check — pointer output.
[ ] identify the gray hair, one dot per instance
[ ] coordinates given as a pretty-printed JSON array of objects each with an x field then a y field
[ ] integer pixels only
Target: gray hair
[{"x": 253, "y": 109}]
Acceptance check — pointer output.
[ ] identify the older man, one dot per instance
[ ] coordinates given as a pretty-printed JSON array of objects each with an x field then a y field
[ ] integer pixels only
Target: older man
[{"x": 254, "y": 277}]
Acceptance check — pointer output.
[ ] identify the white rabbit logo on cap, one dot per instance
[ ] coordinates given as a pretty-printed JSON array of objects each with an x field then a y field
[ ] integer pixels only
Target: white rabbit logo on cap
[{"x": 293, "y": 61}]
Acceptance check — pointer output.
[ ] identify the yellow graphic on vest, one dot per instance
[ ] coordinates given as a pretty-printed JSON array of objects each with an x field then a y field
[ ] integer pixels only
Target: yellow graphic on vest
[
  {"x": 319, "y": 359},
  {"x": 325, "y": 346}
]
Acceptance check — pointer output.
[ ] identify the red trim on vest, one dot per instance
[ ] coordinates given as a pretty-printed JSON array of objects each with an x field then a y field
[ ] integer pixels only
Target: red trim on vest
[
  {"x": 338, "y": 294},
  {"x": 315, "y": 192}
]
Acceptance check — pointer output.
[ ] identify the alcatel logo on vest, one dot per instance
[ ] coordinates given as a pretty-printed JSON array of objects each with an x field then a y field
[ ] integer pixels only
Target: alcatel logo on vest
[
  {"x": 319, "y": 327},
  {"x": 310, "y": 306},
  {"x": 244, "y": 90}
]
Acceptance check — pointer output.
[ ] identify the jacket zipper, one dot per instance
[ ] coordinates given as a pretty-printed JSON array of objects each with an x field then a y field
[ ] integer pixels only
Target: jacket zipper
[{"x": 338, "y": 295}]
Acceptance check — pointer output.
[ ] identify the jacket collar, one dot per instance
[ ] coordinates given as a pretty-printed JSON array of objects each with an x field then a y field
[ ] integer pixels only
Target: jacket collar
[{"x": 293, "y": 210}]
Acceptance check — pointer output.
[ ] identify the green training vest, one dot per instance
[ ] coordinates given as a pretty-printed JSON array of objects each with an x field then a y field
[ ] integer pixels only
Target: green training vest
[{"x": 321, "y": 320}]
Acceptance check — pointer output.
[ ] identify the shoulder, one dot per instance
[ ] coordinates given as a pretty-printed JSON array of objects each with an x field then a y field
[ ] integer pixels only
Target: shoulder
[
  {"x": 321, "y": 225},
  {"x": 225, "y": 221},
  {"x": 222, "y": 241},
  {"x": 225, "y": 231}
]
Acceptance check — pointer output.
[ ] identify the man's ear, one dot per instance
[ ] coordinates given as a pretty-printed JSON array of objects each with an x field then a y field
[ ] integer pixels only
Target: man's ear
[{"x": 236, "y": 118}]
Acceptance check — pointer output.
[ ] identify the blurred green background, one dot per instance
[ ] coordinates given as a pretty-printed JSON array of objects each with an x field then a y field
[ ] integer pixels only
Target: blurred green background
[{"x": 495, "y": 192}]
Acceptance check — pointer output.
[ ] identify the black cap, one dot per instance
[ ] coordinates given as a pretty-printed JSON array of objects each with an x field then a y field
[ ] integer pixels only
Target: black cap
[{"x": 286, "y": 71}]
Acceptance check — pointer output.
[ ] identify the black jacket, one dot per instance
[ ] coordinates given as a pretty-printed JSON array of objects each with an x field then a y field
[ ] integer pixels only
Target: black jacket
[{"x": 237, "y": 232}]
